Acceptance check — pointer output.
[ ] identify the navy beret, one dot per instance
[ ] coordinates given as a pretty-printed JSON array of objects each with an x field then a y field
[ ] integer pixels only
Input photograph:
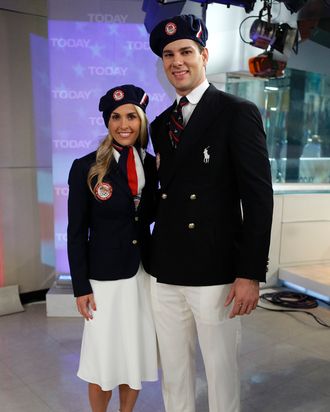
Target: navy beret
[
  {"x": 185, "y": 26},
  {"x": 124, "y": 94}
]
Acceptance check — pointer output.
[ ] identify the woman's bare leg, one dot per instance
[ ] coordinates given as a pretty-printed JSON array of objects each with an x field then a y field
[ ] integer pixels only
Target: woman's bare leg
[
  {"x": 98, "y": 398},
  {"x": 127, "y": 398}
]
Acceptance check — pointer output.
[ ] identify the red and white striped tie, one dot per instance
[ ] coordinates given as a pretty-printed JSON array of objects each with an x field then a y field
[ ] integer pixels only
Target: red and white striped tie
[{"x": 176, "y": 122}]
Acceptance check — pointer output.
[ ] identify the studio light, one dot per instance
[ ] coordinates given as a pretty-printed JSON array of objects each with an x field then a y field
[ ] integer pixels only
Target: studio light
[
  {"x": 280, "y": 37},
  {"x": 264, "y": 65},
  {"x": 263, "y": 33},
  {"x": 286, "y": 39}
]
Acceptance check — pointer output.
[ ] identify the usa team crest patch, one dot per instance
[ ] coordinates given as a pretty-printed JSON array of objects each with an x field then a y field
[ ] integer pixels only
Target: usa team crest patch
[
  {"x": 103, "y": 191},
  {"x": 118, "y": 95},
  {"x": 170, "y": 28}
]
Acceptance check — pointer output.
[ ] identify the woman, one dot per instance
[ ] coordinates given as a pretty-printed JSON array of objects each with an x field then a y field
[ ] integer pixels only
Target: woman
[{"x": 111, "y": 193}]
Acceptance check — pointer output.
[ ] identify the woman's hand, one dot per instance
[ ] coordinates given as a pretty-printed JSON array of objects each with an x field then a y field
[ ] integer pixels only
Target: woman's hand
[{"x": 85, "y": 305}]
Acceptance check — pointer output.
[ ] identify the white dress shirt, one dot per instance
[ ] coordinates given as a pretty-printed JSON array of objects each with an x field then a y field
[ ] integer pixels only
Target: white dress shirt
[{"x": 193, "y": 97}]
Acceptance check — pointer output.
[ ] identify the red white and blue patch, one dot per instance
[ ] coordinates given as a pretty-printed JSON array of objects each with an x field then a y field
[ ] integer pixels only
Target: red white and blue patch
[
  {"x": 170, "y": 28},
  {"x": 118, "y": 95},
  {"x": 103, "y": 191}
]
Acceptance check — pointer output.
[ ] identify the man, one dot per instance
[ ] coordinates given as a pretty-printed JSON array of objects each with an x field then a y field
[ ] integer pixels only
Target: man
[{"x": 212, "y": 230}]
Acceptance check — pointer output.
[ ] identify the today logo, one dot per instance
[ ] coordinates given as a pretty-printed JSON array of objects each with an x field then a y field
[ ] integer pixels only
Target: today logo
[
  {"x": 61, "y": 237},
  {"x": 96, "y": 121},
  {"x": 107, "y": 70},
  {"x": 72, "y": 94},
  {"x": 72, "y": 144},
  {"x": 72, "y": 43},
  {"x": 61, "y": 191},
  {"x": 107, "y": 18},
  {"x": 137, "y": 45}
]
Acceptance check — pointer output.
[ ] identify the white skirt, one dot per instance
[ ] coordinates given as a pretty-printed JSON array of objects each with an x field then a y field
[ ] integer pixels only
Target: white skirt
[{"x": 119, "y": 343}]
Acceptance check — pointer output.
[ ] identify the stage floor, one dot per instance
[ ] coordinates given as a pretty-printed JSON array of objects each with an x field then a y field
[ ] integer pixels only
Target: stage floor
[{"x": 285, "y": 364}]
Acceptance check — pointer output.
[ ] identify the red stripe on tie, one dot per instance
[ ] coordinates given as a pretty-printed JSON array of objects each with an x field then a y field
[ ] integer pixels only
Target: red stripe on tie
[
  {"x": 172, "y": 135},
  {"x": 131, "y": 172},
  {"x": 178, "y": 125}
]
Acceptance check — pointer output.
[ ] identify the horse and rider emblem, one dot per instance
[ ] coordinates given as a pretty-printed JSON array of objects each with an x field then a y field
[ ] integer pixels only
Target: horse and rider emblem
[{"x": 206, "y": 155}]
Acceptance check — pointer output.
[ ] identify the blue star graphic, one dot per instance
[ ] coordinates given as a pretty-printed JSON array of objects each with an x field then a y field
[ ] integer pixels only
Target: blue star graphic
[
  {"x": 61, "y": 87},
  {"x": 113, "y": 29},
  {"x": 142, "y": 30},
  {"x": 128, "y": 51},
  {"x": 79, "y": 70},
  {"x": 96, "y": 48}
]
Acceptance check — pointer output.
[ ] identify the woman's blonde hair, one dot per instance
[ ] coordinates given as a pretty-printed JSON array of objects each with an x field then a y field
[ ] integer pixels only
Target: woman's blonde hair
[{"x": 104, "y": 153}]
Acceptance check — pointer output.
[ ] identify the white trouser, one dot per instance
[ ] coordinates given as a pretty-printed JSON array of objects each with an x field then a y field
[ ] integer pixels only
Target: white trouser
[{"x": 181, "y": 314}]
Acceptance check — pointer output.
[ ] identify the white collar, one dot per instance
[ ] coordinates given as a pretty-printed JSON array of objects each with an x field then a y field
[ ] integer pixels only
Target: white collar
[
  {"x": 195, "y": 95},
  {"x": 143, "y": 154}
]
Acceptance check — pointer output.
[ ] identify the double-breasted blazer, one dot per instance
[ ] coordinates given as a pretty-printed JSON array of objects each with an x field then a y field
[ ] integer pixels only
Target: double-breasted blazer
[
  {"x": 216, "y": 200},
  {"x": 107, "y": 239}
]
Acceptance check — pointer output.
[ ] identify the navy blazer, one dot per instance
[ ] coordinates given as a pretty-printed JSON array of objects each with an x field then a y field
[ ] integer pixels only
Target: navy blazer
[
  {"x": 215, "y": 210},
  {"x": 107, "y": 239}
]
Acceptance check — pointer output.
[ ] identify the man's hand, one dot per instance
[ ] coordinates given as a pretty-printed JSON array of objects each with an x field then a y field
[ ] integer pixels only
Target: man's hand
[
  {"x": 245, "y": 293},
  {"x": 85, "y": 305}
]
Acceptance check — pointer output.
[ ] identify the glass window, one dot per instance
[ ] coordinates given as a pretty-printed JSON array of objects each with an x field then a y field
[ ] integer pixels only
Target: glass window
[{"x": 296, "y": 115}]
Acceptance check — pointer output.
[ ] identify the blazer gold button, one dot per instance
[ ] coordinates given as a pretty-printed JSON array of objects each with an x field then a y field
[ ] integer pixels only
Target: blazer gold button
[
  {"x": 134, "y": 242},
  {"x": 193, "y": 197},
  {"x": 191, "y": 226},
  {"x": 164, "y": 196}
]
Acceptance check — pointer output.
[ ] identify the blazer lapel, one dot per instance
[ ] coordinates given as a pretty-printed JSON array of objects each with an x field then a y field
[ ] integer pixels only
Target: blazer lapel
[
  {"x": 163, "y": 145},
  {"x": 164, "y": 139},
  {"x": 118, "y": 178}
]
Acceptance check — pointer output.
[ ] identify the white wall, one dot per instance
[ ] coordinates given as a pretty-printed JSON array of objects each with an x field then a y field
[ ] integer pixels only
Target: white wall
[{"x": 26, "y": 220}]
